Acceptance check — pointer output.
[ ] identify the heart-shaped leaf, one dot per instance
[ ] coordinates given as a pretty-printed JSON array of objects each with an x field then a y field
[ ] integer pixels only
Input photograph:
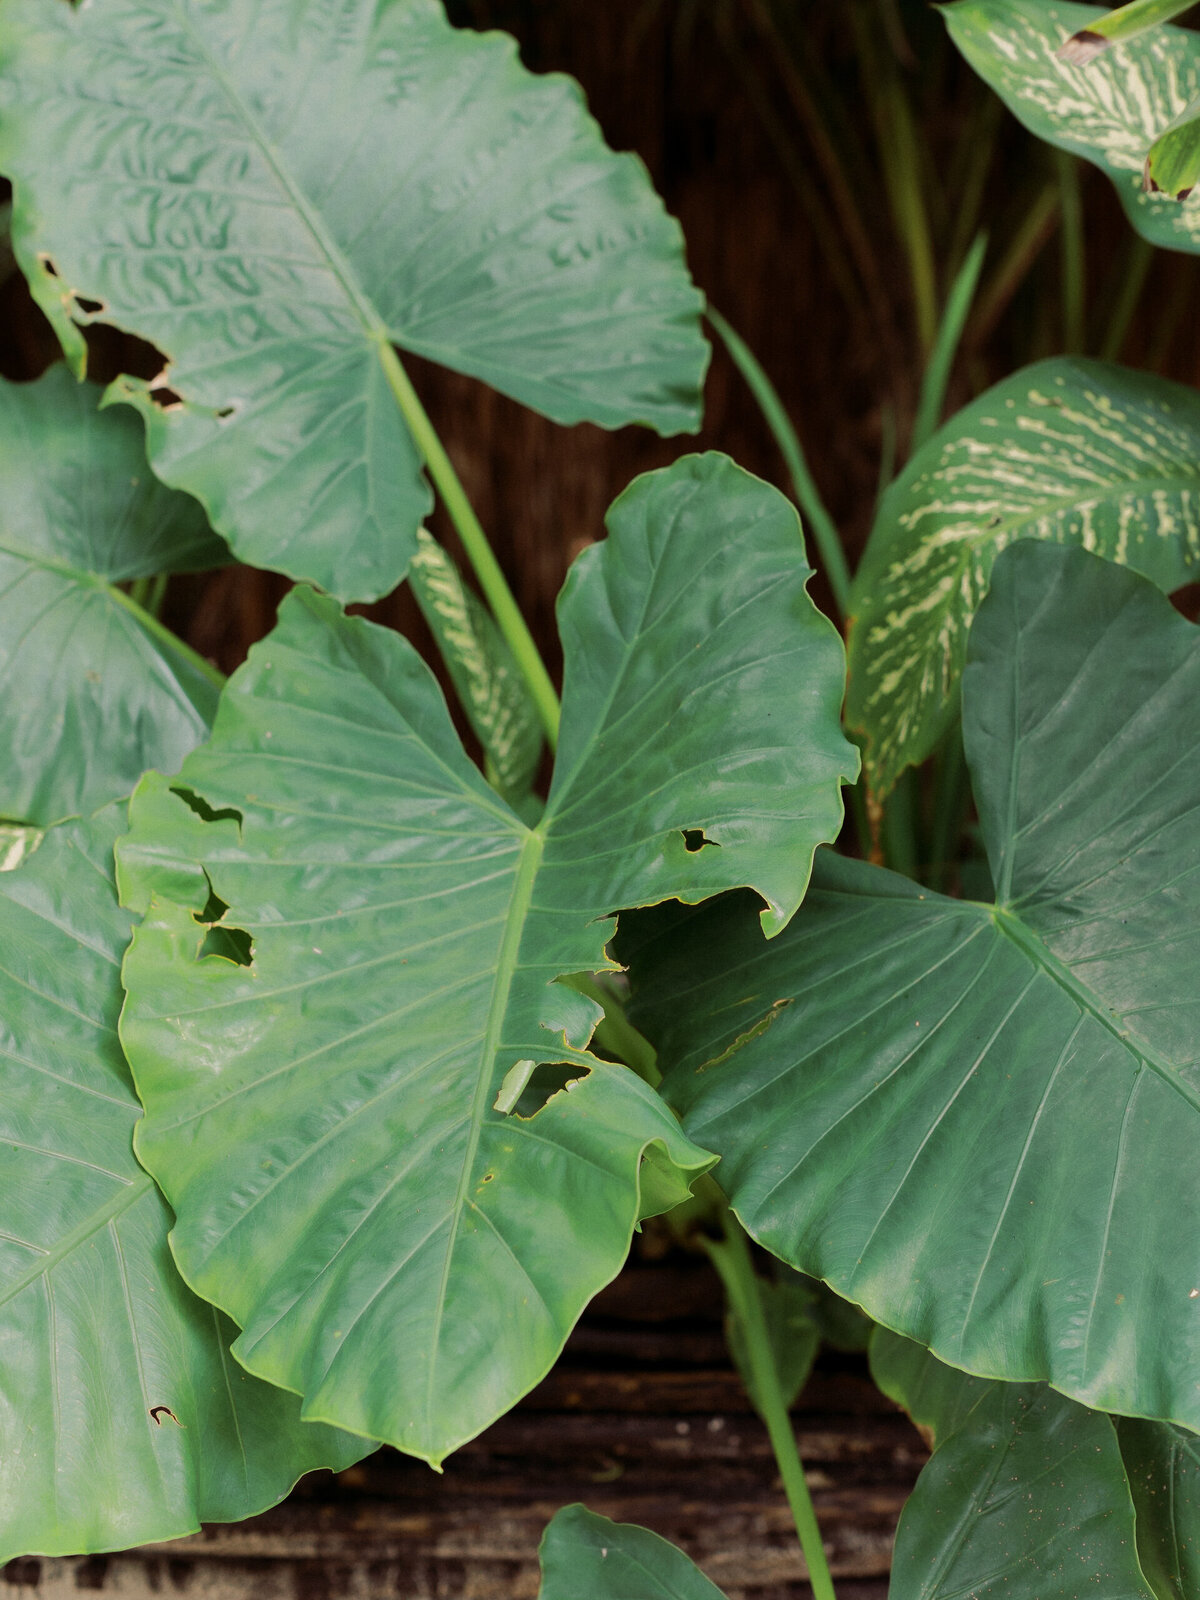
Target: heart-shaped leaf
[
  {"x": 354, "y": 1126},
  {"x": 981, "y": 1122},
  {"x": 583, "y": 1554},
  {"x": 95, "y": 690},
  {"x": 122, "y": 1416},
  {"x": 1109, "y": 110},
  {"x": 1026, "y": 1496},
  {"x": 1077, "y": 452},
  {"x": 277, "y": 194}
]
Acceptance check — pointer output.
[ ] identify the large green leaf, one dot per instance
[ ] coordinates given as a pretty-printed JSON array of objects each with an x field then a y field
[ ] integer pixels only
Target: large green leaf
[
  {"x": 1077, "y": 452},
  {"x": 1026, "y": 1495},
  {"x": 275, "y": 194},
  {"x": 1109, "y": 110},
  {"x": 587, "y": 1557},
  {"x": 332, "y": 1120},
  {"x": 122, "y": 1416},
  {"x": 94, "y": 690},
  {"x": 982, "y": 1122}
]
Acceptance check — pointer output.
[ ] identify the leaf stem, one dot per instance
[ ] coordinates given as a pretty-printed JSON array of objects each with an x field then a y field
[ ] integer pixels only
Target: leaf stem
[
  {"x": 163, "y": 634},
  {"x": 475, "y": 542},
  {"x": 731, "y": 1257}
]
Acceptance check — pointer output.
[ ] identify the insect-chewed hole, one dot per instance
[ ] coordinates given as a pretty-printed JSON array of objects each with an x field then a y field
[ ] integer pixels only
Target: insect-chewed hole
[
  {"x": 528, "y": 1089},
  {"x": 89, "y": 308},
  {"x": 166, "y": 398},
  {"x": 48, "y": 266},
  {"x": 231, "y": 944},
  {"x": 203, "y": 810},
  {"x": 696, "y": 839}
]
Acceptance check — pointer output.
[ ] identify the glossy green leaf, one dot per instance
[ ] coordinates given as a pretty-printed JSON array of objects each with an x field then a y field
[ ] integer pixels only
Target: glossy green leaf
[
  {"x": 1110, "y": 27},
  {"x": 486, "y": 678},
  {"x": 587, "y": 1557},
  {"x": 1109, "y": 110},
  {"x": 349, "y": 1126},
  {"x": 122, "y": 1416},
  {"x": 275, "y": 194},
  {"x": 981, "y": 1122},
  {"x": 94, "y": 689},
  {"x": 1173, "y": 164},
  {"x": 1076, "y": 452},
  {"x": 1026, "y": 1496},
  {"x": 1163, "y": 1464}
]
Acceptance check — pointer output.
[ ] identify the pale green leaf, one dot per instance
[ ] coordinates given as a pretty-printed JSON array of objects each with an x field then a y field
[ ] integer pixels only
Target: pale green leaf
[
  {"x": 275, "y": 194},
  {"x": 1071, "y": 451},
  {"x": 94, "y": 691},
  {"x": 122, "y": 1416},
  {"x": 587, "y": 1557},
  {"x": 329, "y": 1120},
  {"x": 486, "y": 678},
  {"x": 1173, "y": 164},
  {"x": 982, "y": 1122},
  {"x": 1109, "y": 110}
]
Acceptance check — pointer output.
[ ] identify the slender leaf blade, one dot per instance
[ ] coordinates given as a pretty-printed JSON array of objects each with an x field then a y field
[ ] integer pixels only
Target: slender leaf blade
[
  {"x": 94, "y": 691},
  {"x": 122, "y": 1416},
  {"x": 209, "y": 177},
  {"x": 585, "y": 1554},
  {"x": 1069, "y": 451},
  {"x": 970, "y": 1118},
  {"x": 1109, "y": 110},
  {"x": 1123, "y": 23},
  {"x": 349, "y": 1125}
]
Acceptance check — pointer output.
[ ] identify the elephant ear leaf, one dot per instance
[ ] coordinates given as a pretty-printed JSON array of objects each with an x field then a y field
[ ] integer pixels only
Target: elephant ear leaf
[
  {"x": 1026, "y": 1495},
  {"x": 96, "y": 690},
  {"x": 1109, "y": 108},
  {"x": 585, "y": 1554},
  {"x": 125, "y": 1419},
  {"x": 968, "y": 1117},
  {"x": 374, "y": 1110},
  {"x": 211, "y": 179}
]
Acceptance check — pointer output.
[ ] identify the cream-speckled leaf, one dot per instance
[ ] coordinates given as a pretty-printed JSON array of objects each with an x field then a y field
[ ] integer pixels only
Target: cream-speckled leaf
[
  {"x": 122, "y": 1416},
  {"x": 982, "y": 1122},
  {"x": 92, "y": 690},
  {"x": 1125, "y": 22},
  {"x": 274, "y": 193},
  {"x": 1071, "y": 451},
  {"x": 346, "y": 1124},
  {"x": 1109, "y": 110}
]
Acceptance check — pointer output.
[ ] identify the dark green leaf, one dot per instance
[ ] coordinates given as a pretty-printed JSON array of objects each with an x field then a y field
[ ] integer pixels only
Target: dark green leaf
[
  {"x": 586, "y": 1557},
  {"x": 981, "y": 1122},
  {"x": 123, "y": 1417},
  {"x": 1075, "y": 452},
  {"x": 274, "y": 194},
  {"x": 1163, "y": 1463},
  {"x": 1109, "y": 110},
  {"x": 95, "y": 691},
  {"x": 349, "y": 1126}
]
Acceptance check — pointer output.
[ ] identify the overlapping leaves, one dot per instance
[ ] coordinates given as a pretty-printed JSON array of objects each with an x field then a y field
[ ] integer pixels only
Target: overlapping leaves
[
  {"x": 94, "y": 691},
  {"x": 275, "y": 194},
  {"x": 1076, "y": 452},
  {"x": 331, "y": 1120},
  {"x": 123, "y": 1417},
  {"x": 981, "y": 1122},
  {"x": 1110, "y": 110}
]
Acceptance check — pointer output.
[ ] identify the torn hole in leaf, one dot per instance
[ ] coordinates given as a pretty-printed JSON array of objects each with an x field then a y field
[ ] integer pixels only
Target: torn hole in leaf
[
  {"x": 165, "y": 398},
  {"x": 231, "y": 944},
  {"x": 48, "y": 266},
  {"x": 528, "y": 1087},
  {"x": 744, "y": 1038},
  {"x": 203, "y": 810},
  {"x": 696, "y": 839},
  {"x": 86, "y": 307}
]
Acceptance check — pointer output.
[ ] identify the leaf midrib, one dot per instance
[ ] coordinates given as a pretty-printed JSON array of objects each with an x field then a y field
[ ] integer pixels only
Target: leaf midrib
[{"x": 1035, "y": 950}]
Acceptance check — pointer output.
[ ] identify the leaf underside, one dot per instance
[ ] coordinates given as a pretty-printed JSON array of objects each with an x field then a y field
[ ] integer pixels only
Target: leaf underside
[
  {"x": 331, "y": 1120},
  {"x": 1109, "y": 110},
  {"x": 89, "y": 695},
  {"x": 209, "y": 177},
  {"x": 123, "y": 1417},
  {"x": 981, "y": 1122},
  {"x": 1068, "y": 451}
]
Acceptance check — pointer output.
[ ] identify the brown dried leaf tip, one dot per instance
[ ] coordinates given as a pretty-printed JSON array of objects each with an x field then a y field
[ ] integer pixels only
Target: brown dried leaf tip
[{"x": 1082, "y": 47}]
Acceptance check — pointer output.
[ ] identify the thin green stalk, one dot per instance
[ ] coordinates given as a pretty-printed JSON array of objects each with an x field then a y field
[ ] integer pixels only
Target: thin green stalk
[
  {"x": 941, "y": 360},
  {"x": 479, "y": 552},
  {"x": 1010, "y": 271},
  {"x": 1133, "y": 281},
  {"x": 165, "y": 637},
  {"x": 158, "y": 593},
  {"x": 968, "y": 176},
  {"x": 615, "y": 1033},
  {"x": 808, "y": 496},
  {"x": 1074, "y": 260},
  {"x": 900, "y": 849},
  {"x": 951, "y": 797},
  {"x": 731, "y": 1257}
]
